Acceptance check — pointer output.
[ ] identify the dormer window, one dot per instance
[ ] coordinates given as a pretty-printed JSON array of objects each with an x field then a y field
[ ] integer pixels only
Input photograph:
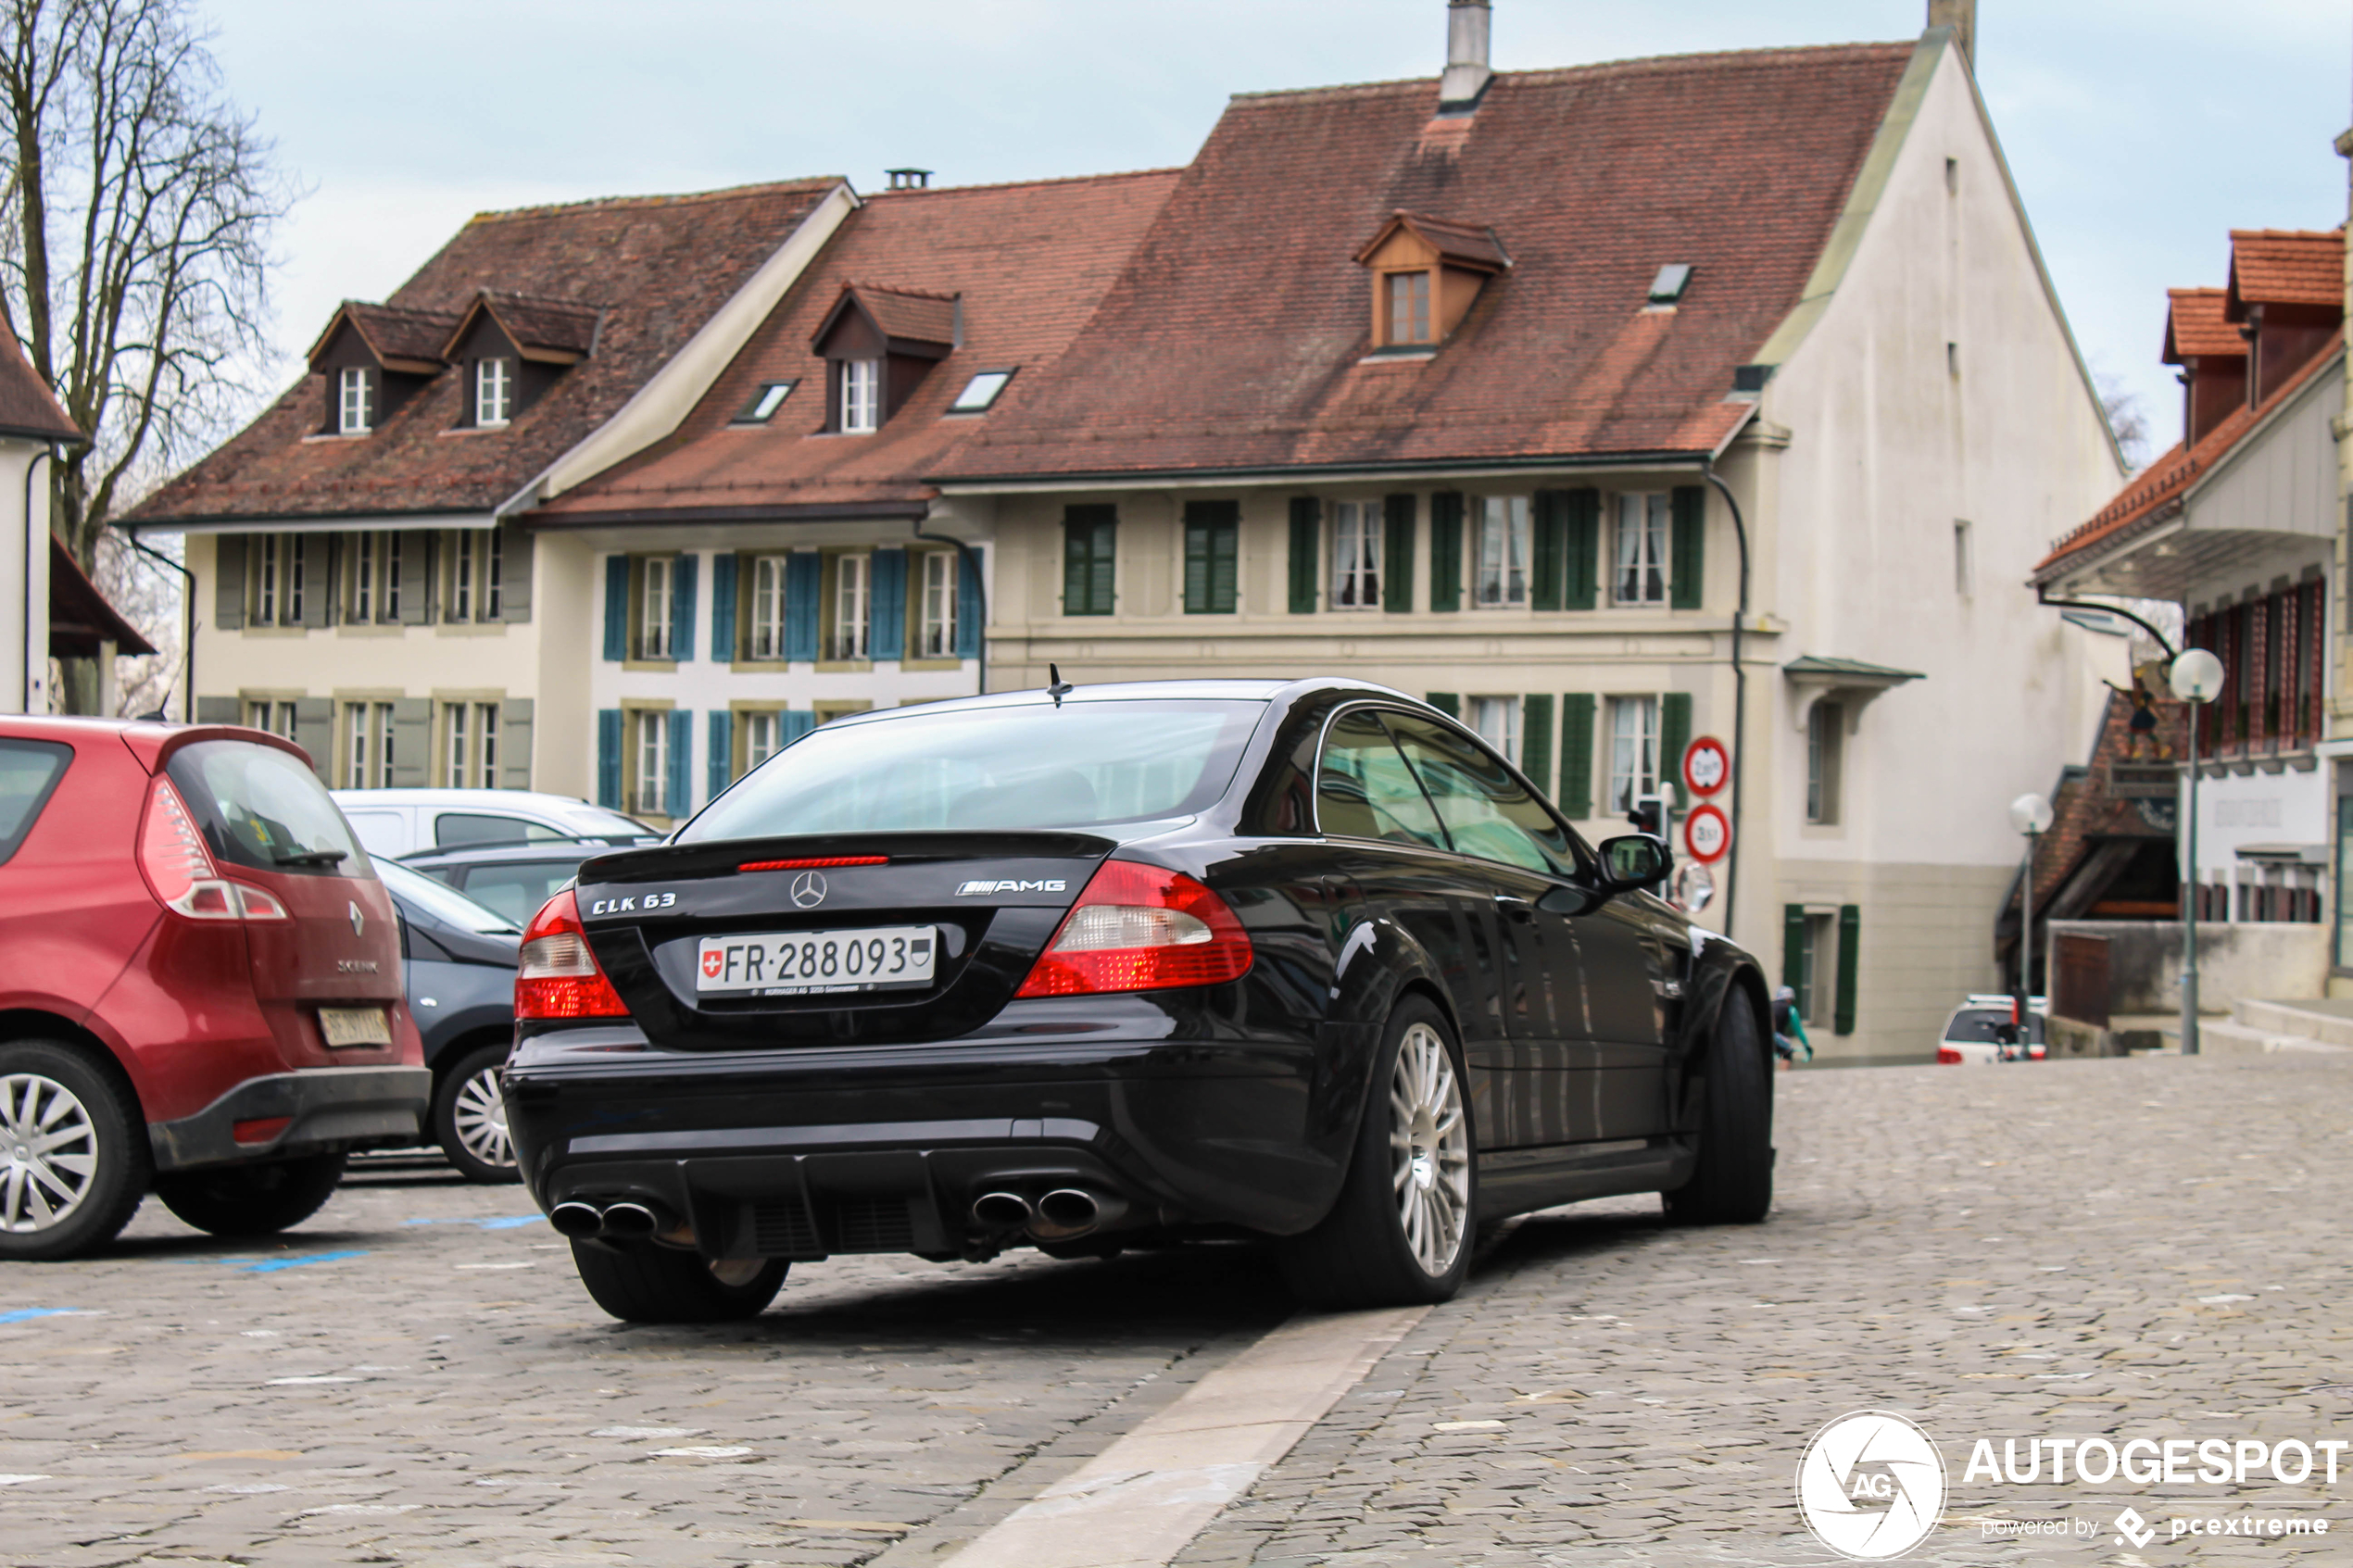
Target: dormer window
[
  {"x": 879, "y": 346},
  {"x": 1427, "y": 273},
  {"x": 493, "y": 392},
  {"x": 860, "y": 397},
  {"x": 356, "y": 403},
  {"x": 1408, "y": 306}
]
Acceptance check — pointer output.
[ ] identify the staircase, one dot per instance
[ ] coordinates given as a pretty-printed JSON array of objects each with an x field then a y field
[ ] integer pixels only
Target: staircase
[{"x": 2309, "y": 1025}]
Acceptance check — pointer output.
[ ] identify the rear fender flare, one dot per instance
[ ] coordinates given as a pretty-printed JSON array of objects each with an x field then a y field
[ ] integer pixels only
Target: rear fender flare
[{"x": 1378, "y": 964}]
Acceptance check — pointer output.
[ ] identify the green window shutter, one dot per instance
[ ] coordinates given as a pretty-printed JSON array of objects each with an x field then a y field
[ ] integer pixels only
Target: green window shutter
[
  {"x": 229, "y": 581},
  {"x": 1397, "y": 563},
  {"x": 1090, "y": 542},
  {"x": 616, "y": 608},
  {"x": 1576, "y": 795},
  {"x": 722, "y": 607},
  {"x": 1212, "y": 541},
  {"x": 1226, "y": 564},
  {"x": 682, "y": 608},
  {"x": 1536, "y": 740},
  {"x": 1550, "y": 554},
  {"x": 1581, "y": 540},
  {"x": 609, "y": 758},
  {"x": 1687, "y": 569},
  {"x": 1794, "y": 947},
  {"x": 1448, "y": 703},
  {"x": 1674, "y": 735},
  {"x": 1307, "y": 552},
  {"x": 678, "y": 795},
  {"x": 1446, "y": 550},
  {"x": 719, "y": 766},
  {"x": 1850, "y": 942}
]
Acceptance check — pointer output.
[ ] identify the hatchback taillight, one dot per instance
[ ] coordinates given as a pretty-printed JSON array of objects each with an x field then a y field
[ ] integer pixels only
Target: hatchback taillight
[
  {"x": 1947, "y": 1057},
  {"x": 558, "y": 976},
  {"x": 1139, "y": 928},
  {"x": 177, "y": 865}
]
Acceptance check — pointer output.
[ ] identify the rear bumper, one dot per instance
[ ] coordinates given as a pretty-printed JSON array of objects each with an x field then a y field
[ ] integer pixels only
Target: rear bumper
[
  {"x": 806, "y": 1152},
  {"x": 322, "y": 1109}
]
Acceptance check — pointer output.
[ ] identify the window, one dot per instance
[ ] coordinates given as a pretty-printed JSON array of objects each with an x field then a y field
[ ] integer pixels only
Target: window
[
  {"x": 767, "y": 639},
  {"x": 455, "y": 829},
  {"x": 278, "y": 717},
  {"x": 1633, "y": 750},
  {"x": 764, "y": 403},
  {"x": 860, "y": 397},
  {"x": 355, "y": 407},
  {"x": 493, "y": 392},
  {"x": 980, "y": 392},
  {"x": 29, "y": 771},
  {"x": 1213, "y": 531},
  {"x": 368, "y": 748},
  {"x": 461, "y": 582},
  {"x": 477, "y": 566},
  {"x": 1497, "y": 721},
  {"x": 278, "y": 580},
  {"x": 1364, "y": 790},
  {"x": 1964, "y": 566},
  {"x": 375, "y": 578},
  {"x": 1640, "y": 577},
  {"x": 1817, "y": 961},
  {"x": 1825, "y": 740},
  {"x": 763, "y": 738},
  {"x": 656, "y": 606},
  {"x": 936, "y": 606},
  {"x": 851, "y": 607},
  {"x": 1356, "y": 555},
  {"x": 470, "y": 737},
  {"x": 1408, "y": 306},
  {"x": 1486, "y": 812},
  {"x": 1503, "y": 552},
  {"x": 649, "y": 763},
  {"x": 1089, "y": 536}
]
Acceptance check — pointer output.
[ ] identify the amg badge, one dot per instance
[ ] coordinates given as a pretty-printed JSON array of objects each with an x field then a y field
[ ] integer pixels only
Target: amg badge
[{"x": 970, "y": 888}]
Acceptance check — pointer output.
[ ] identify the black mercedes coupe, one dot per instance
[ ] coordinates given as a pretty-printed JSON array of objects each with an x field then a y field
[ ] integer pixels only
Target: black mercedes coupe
[{"x": 1123, "y": 965}]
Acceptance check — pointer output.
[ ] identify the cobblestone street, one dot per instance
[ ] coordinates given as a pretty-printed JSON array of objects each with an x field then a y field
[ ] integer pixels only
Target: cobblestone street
[{"x": 2127, "y": 1248}]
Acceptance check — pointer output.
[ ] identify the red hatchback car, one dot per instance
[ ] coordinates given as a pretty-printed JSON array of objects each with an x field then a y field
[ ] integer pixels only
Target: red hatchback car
[{"x": 200, "y": 984}]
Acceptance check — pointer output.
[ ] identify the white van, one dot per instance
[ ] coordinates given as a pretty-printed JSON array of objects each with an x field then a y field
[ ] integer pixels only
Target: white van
[{"x": 401, "y": 821}]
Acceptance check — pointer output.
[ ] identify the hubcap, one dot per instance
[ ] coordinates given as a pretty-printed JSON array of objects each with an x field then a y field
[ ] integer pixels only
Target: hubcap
[
  {"x": 51, "y": 1152},
  {"x": 479, "y": 1115},
  {"x": 1429, "y": 1153}
]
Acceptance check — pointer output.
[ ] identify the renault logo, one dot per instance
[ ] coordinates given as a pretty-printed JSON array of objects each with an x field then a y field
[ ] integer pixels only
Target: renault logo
[
  {"x": 359, "y": 920},
  {"x": 808, "y": 890}
]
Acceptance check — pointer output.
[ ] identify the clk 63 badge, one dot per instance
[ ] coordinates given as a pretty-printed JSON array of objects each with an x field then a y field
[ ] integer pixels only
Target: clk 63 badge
[
  {"x": 971, "y": 888},
  {"x": 635, "y": 901}
]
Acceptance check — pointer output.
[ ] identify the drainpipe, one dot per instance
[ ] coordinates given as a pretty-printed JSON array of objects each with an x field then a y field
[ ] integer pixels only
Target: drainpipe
[
  {"x": 31, "y": 534},
  {"x": 1740, "y": 699},
  {"x": 980, "y": 587},
  {"x": 187, "y": 622}
]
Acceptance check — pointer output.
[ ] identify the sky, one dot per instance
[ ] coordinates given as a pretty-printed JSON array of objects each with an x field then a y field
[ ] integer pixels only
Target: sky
[{"x": 2139, "y": 133}]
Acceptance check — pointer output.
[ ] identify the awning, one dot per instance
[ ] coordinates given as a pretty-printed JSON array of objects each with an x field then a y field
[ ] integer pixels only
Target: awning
[
  {"x": 1850, "y": 682},
  {"x": 80, "y": 618}
]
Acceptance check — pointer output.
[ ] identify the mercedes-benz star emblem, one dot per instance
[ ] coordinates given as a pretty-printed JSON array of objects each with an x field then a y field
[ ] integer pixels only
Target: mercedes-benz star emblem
[
  {"x": 359, "y": 920},
  {"x": 808, "y": 890}
]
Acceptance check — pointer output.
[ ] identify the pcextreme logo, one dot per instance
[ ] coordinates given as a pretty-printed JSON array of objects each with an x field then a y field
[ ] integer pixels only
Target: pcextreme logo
[{"x": 1871, "y": 1485}]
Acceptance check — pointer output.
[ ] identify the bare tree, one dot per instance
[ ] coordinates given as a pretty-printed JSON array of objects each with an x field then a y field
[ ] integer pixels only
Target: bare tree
[
  {"x": 2131, "y": 426},
  {"x": 133, "y": 244}
]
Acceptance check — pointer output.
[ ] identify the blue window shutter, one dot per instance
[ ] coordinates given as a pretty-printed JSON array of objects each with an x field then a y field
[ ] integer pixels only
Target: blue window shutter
[
  {"x": 723, "y": 758},
  {"x": 609, "y": 743},
  {"x": 616, "y": 613},
  {"x": 679, "y": 796},
  {"x": 723, "y": 609},
  {"x": 801, "y": 570},
  {"x": 968, "y": 612},
  {"x": 682, "y": 612},
  {"x": 793, "y": 725},
  {"x": 888, "y": 638}
]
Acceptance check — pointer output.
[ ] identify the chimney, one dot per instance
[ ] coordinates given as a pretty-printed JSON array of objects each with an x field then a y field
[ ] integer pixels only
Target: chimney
[
  {"x": 1467, "y": 73},
  {"x": 1961, "y": 17}
]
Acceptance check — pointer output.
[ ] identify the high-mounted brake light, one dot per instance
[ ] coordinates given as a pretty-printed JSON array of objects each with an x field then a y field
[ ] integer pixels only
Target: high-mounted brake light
[
  {"x": 180, "y": 869},
  {"x": 815, "y": 864},
  {"x": 556, "y": 974},
  {"x": 1139, "y": 928}
]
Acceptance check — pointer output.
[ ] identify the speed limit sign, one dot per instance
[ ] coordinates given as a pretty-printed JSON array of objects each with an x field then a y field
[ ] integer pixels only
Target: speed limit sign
[
  {"x": 1707, "y": 834},
  {"x": 1708, "y": 767}
]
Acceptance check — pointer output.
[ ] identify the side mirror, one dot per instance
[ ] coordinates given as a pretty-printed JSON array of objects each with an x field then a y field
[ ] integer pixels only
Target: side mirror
[{"x": 1637, "y": 859}]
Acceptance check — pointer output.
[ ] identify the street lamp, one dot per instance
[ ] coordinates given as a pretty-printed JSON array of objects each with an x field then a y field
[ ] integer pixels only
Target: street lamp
[
  {"x": 2030, "y": 814},
  {"x": 2195, "y": 677}
]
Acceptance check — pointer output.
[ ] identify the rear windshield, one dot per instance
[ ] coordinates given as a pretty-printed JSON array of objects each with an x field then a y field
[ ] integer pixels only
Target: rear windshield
[
  {"x": 437, "y": 902},
  {"x": 28, "y": 770},
  {"x": 1084, "y": 764},
  {"x": 1977, "y": 1026},
  {"x": 260, "y": 807}
]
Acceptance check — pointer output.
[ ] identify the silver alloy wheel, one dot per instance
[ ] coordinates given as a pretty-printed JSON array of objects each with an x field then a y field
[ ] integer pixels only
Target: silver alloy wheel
[
  {"x": 1430, "y": 1150},
  {"x": 48, "y": 1152},
  {"x": 736, "y": 1272},
  {"x": 478, "y": 1115}
]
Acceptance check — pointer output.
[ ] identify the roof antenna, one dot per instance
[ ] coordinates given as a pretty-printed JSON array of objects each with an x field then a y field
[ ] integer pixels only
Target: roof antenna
[{"x": 1056, "y": 687}]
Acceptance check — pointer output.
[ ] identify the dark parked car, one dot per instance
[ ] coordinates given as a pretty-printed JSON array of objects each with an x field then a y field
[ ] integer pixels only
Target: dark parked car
[
  {"x": 200, "y": 984},
  {"x": 461, "y": 990},
  {"x": 1080, "y": 968},
  {"x": 513, "y": 879}
]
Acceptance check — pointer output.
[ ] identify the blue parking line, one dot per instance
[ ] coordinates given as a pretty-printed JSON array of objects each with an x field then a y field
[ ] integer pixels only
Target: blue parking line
[
  {"x": 504, "y": 1223},
  {"x": 26, "y": 1315},
  {"x": 271, "y": 1265}
]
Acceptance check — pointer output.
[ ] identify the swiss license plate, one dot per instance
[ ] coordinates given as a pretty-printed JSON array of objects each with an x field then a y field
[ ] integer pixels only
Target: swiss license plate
[
  {"x": 354, "y": 1026},
  {"x": 804, "y": 964}
]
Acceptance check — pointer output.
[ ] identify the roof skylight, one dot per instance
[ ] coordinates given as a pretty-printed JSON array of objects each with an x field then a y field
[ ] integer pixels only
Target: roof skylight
[
  {"x": 764, "y": 403},
  {"x": 1668, "y": 286},
  {"x": 980, "y": 392}
]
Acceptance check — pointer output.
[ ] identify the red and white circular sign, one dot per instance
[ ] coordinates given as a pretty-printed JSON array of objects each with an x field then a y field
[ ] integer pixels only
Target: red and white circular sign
[
  {"x": 1708, "y": 832},
  {"x": 1708, "y": 766}
]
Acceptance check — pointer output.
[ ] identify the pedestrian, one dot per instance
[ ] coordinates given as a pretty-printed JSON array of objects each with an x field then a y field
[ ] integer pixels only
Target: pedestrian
[{"x": 1789, "y": 1029}]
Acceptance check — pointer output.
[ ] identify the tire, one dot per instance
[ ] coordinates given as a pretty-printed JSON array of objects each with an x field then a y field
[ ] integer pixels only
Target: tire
[
  {"x": 1733, "y": 1183},
  {"x": 1400, "y": 1234},
  {"x": 470, "y": 1118},
  {"x": 645, "y": 1284},
  {"x": 74, "y": 1158},
  {"x": 238, "y": 1200}
]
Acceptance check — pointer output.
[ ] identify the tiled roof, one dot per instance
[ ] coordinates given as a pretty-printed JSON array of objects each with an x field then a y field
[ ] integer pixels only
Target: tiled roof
[
  {"x": 2194, "y": 325},
  {"x": 2146, "y": 497},
  {"x": 1029, "y": 261},
  {"x": 417, "y": 337},
  {"x": 80, "y": 617},
  {"x": 1466, "y": 242},
  {"x": 557, "y": 326},
  {"x": 1236, "y": 338},
  {"x": 660, "y": 266},
  {"x": 2285, "y": 267},
  {"x": 908, "y": 313},
  {"x": 27, "y": 406}
]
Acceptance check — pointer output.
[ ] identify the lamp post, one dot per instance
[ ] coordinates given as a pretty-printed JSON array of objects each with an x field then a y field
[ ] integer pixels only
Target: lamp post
[
  {"x": 2196, "y": 678},
  {"x": 2030, "y": 814}
]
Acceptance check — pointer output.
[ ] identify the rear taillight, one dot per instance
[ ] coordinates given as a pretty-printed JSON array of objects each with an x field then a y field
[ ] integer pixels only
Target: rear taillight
[
  {"x": 178, "y": 865},
  {"x": 1139, "y": 928},
  {"x": 557, "y": 975},
  {"x": 1947, "y": 1057}
]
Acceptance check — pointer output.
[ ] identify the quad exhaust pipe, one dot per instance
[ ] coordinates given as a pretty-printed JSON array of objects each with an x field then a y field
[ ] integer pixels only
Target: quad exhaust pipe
[
  {"x": 1062, "y": 1214},
  {"x": 624, "y": 1220}
]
